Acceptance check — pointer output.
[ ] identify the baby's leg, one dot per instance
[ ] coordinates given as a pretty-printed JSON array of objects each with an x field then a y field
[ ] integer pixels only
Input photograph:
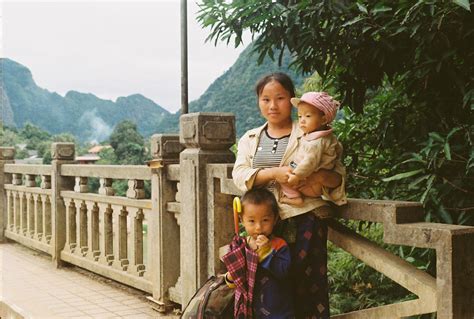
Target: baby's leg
[
  {"x": 312, "y": 190},
  {"x": 290, "y": 195},
  {"x": 326, "y": 178},
  {"x": 315, "y": 182}
]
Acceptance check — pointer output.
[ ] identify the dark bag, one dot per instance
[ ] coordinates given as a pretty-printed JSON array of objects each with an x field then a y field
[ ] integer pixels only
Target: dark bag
[{"x": 213, "y": 300}]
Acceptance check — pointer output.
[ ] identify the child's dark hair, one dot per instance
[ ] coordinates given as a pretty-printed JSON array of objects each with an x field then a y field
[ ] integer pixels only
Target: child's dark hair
[
  {"x": 279, "y": 77},
  {"x": 259, "y": 196}
]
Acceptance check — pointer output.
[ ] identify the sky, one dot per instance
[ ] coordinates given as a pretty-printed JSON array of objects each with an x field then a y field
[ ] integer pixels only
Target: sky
[{"x": 112, "y": 48}]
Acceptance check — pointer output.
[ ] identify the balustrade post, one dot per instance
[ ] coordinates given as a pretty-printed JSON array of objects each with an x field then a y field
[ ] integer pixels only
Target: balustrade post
[
  {"x": 207, "y": 138},
  {"x": 455, "y": 274},
  {"x": 62, "y": 153},
  {"x": 163, "y": 230},
  {"x": 6, "y": 156}
]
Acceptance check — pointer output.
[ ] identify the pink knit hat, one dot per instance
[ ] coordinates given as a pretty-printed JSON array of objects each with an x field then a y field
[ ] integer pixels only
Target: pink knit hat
[{"x": 322, "y": 101}]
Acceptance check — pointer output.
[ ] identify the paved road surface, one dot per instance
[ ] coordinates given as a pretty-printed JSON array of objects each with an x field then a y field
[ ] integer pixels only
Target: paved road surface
[{"x": 31, "y": 285}]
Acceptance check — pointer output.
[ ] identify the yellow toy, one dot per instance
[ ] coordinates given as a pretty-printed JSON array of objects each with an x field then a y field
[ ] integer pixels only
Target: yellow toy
[{"x": 237, "y": 210}]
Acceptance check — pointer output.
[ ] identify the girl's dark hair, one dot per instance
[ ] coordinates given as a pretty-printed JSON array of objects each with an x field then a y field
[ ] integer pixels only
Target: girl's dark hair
[
  {"x": 259, "y": 196},
  {"x": 279, "y": 77}
]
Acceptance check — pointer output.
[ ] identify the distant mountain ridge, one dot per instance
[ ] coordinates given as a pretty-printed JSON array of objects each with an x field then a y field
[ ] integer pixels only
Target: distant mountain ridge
[
  {"x": 91, "y": 118},
  {"x": 234, "y": 91},
  {"x": 82, "y": 114}
]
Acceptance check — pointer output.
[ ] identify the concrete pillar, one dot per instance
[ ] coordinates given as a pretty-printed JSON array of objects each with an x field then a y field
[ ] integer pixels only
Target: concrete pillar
[
  {"x": 207, "y": 138},
  {"x": 62, "y": 153},
  {"x": 6, "y": 156},
  {"x": 455, "y": 274},
  {"x": 163, "y": 229}
]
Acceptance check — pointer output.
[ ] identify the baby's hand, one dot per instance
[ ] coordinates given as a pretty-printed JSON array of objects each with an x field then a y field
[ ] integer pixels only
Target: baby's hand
[
  {"x": 262, "y": 240},
  {"x": 293, "y": 180}
]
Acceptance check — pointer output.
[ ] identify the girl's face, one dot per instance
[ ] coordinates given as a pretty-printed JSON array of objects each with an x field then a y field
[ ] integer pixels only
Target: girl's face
[
  {"x": 258, "y": 219},
  {"x": 274, "y": 103},
  {"x": 310, "y": 118}
]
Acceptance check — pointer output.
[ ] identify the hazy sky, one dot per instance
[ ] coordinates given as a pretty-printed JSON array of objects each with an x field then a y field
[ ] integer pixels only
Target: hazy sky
[{"x": 112, "y": 48}]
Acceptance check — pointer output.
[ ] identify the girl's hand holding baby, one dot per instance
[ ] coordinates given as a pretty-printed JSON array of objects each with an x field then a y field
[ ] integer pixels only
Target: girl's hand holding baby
[
  {"x": 280, "y": 174},
  {"x": 293, "y": 180}
]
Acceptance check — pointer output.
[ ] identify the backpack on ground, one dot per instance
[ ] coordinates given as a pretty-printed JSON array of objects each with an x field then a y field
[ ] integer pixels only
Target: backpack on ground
[{"x": 213, "y": 300}]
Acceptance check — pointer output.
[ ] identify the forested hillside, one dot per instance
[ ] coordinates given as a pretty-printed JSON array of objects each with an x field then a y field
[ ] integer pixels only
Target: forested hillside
[
  {"x": 90, "y": 118},
  {"x": 84, "y": 115},
  {"x": 234, "y": 90}
]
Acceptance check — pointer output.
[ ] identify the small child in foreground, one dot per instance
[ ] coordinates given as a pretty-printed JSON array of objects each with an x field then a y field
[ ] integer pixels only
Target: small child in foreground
[{"x": 272, "y": 297}]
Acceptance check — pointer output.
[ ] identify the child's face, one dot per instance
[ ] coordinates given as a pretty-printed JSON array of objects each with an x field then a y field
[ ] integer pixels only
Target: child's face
[
  {"x": 258, "y": 219},
  {"x": 310, "y": 118}
]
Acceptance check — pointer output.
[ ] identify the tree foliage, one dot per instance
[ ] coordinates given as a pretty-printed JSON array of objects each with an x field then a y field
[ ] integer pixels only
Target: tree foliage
[
  {"x": 404, "y": 71},
  {"x": 358, "y": 44},
  {"x": 127, "y": 143}
]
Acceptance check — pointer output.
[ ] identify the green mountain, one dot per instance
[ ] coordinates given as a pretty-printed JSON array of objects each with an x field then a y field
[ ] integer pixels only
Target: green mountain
[
  {"x": 91, "y": 118},
  {"x": 234, "y": 91},
  {"x": 84, "y": 115}
]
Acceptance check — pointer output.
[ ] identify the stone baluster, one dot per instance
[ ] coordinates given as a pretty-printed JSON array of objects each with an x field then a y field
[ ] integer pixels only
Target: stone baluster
[
  {"x": 17, "y": 179},
  {"x": 120, "y": 237},
  {"x": 30, "y": 216},
  {"x": 62, "y": 153},
  {"x": 47, "y": 220},
  {"x": 30, "y": 180},
  {"x": 15, "y": 211},
  {"x": 163, "y": 230},
  {"x": 43, "y": 225},
  {"x": 135, "y": 242},
  {"x": 45, "y": 182},
  {"x": 7, "y": 155},
  {"x": 93, "y": 231},
  {"x": 9, "y": 207},
  {"x": 81, "y": 229},
  {"x": 81, "y": 185},
  {"x": 178, "y": 192},
  {"x": 135, "y": 189},
  {"x": 38, "y": 224},
  {"x": 71, "y": 211},
  {"x": 106, "y": 239},
  {"x": 106, "y": 187},
  {"x": 207, "y": 138},
  {"x": 23, "y": 213}
]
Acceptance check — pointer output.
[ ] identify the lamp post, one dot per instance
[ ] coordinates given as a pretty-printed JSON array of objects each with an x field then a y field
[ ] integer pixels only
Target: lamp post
[{"x": 184, "y": 57}]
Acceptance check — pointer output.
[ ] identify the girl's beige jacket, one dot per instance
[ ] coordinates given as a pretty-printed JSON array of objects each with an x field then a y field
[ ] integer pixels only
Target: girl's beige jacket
[{"x": 244, "y": 175}]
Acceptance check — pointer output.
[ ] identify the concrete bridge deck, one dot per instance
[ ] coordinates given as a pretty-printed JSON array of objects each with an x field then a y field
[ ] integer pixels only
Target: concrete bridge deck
[{"x": 33, "y": 288}]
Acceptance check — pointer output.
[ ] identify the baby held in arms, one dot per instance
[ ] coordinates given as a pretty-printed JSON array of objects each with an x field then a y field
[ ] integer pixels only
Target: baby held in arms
[{"x": 318, "y": 148}]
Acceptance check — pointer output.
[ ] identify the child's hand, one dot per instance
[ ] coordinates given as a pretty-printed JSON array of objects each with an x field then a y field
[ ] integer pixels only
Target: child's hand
[
  {"x": 252, "y": 244},
  {"x": 293, "y": 180},
  {"x": 262, "y": 240}
]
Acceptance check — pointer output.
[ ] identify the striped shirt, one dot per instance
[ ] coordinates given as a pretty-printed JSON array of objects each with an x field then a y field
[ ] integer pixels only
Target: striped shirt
[{"x": 270, "y": 151}]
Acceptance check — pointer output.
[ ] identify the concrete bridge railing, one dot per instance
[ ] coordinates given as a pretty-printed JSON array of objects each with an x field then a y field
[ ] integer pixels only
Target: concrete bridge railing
[{"x": 168, "y": 244}]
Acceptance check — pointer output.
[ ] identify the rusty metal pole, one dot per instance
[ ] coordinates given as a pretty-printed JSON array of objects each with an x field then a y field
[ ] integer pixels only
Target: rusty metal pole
[{"x": 184, "y": 57}]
